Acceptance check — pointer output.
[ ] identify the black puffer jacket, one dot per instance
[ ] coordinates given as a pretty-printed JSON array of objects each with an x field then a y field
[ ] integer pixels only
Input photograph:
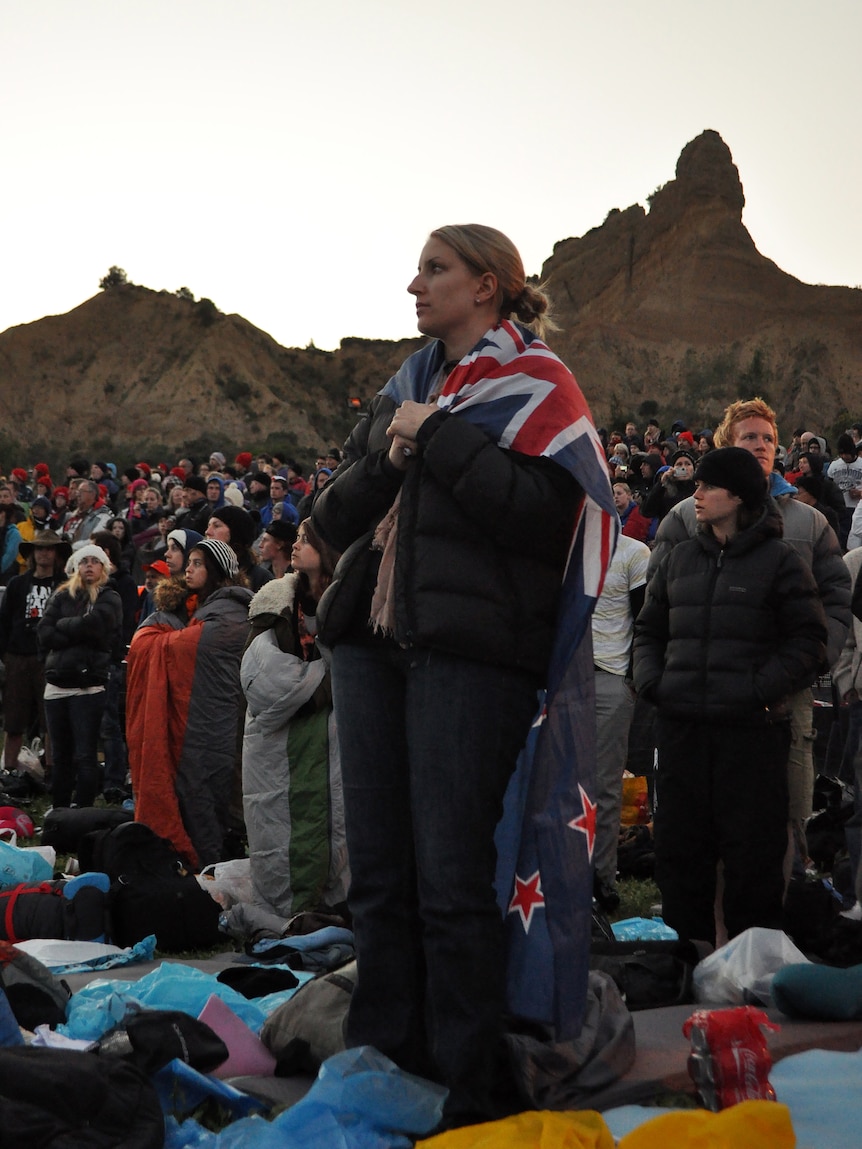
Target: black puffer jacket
[
  {"x": 483, "y": 535},
  {"x": 77, "y": 638},
  {"x": 727, "y": 633}
]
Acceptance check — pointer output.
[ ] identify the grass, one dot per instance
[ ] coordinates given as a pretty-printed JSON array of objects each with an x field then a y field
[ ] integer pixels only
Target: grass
[{"x": 637, "y": 897}]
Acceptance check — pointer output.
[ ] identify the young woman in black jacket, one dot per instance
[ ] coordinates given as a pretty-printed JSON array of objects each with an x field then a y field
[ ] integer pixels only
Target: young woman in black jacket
[
  {"x": 732, "y": 627},
  {"x": 436, "y": 665},
  {"x": 80, "y": 628}
]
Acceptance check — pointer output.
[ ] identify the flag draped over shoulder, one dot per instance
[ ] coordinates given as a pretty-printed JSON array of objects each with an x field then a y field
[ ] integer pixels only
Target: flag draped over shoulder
[
  {"x": 525, "y": 399},
  {"x": 514, "y": 386}
]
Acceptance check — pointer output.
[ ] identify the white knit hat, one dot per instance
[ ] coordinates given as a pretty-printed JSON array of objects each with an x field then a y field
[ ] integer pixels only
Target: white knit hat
[{"x": 89, "y": 550}]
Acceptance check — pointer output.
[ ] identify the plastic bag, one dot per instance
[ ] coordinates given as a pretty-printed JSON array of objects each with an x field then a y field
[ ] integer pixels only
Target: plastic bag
[
  {"x": 643, "y": 930},
  {"x": 229, "y": 882},
  {"x": 97, "y": 1007},
  {"x": 635, "y": 807},
  {"x": 360, "y": 1100},
  {"x": 22, "y": 865},
  {"x": 741, "y": 972}
]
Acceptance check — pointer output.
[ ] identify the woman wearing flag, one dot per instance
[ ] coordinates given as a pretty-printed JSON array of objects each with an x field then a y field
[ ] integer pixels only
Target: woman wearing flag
[{"x": 462, "y": 491}]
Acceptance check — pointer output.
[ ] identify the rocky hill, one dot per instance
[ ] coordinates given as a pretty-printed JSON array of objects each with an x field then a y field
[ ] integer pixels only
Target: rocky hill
[
  {"x": 150, "y": 373},
  {"x": 670, "y": 311},
  {"x": 674, "y": 311}
]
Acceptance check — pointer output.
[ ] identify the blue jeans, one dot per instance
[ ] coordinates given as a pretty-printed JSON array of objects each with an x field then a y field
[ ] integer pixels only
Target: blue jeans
[
  {"x": 428, "y": 742},
  {"x": 73, "y": 727}
]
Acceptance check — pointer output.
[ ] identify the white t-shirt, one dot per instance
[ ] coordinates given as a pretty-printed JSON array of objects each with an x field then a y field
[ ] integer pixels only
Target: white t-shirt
[
  {"x": 846, "y": 477},
  {"x": 613, "y": 623}
]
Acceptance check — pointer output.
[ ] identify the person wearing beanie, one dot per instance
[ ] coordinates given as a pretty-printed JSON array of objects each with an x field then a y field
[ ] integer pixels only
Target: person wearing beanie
[
  {"x": 180, "y": 542},
  {"x": 243, "y": 461},
  {"x": 233, "y": 495},
  {"x": 673, "y": 484},
  {"x": 197, "y": 512},
  {"x": 236, "y": 527},
  {"x": 751, "y": 424},
  {"x": 183, "y": 708},
  {"x": 731, "y": 628},
  {"x": 275, "y": 546},
  {"x": 260, "y": 496},
  {"x": 80, "y": 629}
]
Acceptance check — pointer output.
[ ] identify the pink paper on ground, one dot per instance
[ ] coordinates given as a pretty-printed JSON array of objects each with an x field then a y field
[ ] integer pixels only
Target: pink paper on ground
[{"x": 247, "y": 1053}]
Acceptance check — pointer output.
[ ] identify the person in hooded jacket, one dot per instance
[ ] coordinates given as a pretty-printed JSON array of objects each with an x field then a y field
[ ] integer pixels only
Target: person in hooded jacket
[
  {"x": 731, "y": 629},
  {"x": 184, "y": 703}
]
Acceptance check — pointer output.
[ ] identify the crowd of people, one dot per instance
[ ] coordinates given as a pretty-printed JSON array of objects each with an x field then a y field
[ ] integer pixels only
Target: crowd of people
[
  {"x": 123, "y": 624},
  {"x": 338, "y": 674}
]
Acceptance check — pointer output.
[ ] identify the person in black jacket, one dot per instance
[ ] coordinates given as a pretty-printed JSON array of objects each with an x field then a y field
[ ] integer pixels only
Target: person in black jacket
[
  {"x": 80, "y": 629},
  {"x": 438, "y": 654},
  {"x": 732, "y": 627},
  {"x": 21, "y": 609}
]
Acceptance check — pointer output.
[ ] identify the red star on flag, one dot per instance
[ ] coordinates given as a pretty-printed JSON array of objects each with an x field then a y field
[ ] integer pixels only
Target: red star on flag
[
  {"x": 527, "y": 897},
  {"x": 586, "y": 822}
]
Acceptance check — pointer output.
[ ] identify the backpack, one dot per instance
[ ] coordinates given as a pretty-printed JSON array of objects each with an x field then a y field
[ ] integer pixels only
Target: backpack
[
  {"x": 311, "y": 1025},
  {"x": 648, "y": 974},
  {"x": 152, "y": 892},
  {"x": 64, "y": 827}
]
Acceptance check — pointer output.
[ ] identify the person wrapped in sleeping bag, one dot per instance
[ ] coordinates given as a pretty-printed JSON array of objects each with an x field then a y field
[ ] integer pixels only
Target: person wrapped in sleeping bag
[
  {"x": 184, "y": 703},
  {"x": 292, "y": 797}
]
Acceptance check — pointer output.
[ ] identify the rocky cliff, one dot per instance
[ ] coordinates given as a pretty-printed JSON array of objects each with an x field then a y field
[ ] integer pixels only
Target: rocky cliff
[
  {"x": 670, "y": 311},
  {"x": 674, "y": 311}
]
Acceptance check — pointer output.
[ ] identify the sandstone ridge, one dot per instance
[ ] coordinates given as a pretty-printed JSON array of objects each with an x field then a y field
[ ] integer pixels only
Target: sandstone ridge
[
  {"x": 675, "y": 308},
  {"x": 669, "y": 311}
]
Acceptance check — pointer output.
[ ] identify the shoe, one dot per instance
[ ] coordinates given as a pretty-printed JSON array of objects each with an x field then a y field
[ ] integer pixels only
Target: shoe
[{"x": 606, "y": 894}]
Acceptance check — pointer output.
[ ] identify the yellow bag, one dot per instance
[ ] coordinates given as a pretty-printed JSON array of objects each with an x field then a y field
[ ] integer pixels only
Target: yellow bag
[
  {"x": 578, "y": 1129},
  {"x": 748, "y": 1125}
]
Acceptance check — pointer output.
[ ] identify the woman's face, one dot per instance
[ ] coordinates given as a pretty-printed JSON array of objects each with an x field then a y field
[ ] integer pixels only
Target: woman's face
[
  {"x": 175, "y": 498},
  {"x": 703, "y": 445},
  {"x": 118, "y": 530},
  {"x": 174, "y": 557},
  {"x": 303, "y": 557},
  {"x": 60, "y": 502},
  {"x": 446, "y": 292},
  {"x": 152, "y": 501},
  {"x": 139, "y": 494},
  {"x": 196, "y": 571},
  {"x": 90, "y": 570},
  {"x": 218, "y": 529},
  {"x": 683, "y": 469}
]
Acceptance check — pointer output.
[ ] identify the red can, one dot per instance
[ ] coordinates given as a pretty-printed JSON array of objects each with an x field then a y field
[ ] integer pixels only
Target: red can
[{"x": 729, "y": 1059}]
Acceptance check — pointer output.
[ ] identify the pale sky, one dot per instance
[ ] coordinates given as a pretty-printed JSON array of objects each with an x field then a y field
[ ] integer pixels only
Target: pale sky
[{"x": 287, "y": 159}]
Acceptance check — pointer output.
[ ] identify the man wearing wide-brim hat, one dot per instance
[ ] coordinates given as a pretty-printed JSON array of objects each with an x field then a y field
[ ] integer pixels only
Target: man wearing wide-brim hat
[{"x": 20, "y": 612}]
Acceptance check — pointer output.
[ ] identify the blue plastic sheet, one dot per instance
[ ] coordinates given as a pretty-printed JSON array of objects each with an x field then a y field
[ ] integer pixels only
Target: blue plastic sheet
[
  {"x": 643, "y": 930},
  {"x": 99, "y": 1006},
  {"x": 360, "y": 1100}
]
